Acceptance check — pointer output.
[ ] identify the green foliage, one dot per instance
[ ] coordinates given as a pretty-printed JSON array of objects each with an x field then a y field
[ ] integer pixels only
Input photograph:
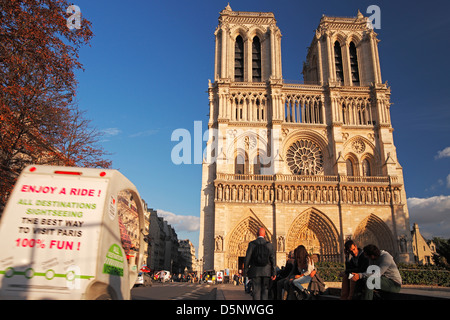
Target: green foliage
[
  {"x": 425, "y": 275},
  {"x": 329, "y": 271},
  {"x": 443, "y": 250}
]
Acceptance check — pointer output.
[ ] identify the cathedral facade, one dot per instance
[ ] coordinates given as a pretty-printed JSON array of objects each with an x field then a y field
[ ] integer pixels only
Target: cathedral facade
[{"x": 313, "y": 163}]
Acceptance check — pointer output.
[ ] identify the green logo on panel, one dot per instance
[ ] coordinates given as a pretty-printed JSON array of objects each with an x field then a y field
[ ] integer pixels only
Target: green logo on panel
[{"x": 114, "y": 261}]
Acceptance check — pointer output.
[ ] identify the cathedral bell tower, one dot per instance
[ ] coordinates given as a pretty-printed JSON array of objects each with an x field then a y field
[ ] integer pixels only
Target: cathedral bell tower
[
  {"x": 343, "y": 51},
  {"x": 247, "y": 85},
  {"x": 248, "y": 47}
]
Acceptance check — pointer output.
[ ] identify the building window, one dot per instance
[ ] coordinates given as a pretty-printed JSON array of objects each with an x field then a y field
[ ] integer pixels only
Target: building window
[
  {"x": 304, "y": 157},
  {"x": 354, "y": 64},
  {"x": 239, "y": 59},
  {"x": 366, "y": 168},
  {"x": 257, "y": 165},
  {"x": 256, "y": 60},
  {"x": 338, "y": 62},
  {"x": 350, "y": 171},
  {"x": 345, "y": 114},
  {"x": 241, "y": 165}
]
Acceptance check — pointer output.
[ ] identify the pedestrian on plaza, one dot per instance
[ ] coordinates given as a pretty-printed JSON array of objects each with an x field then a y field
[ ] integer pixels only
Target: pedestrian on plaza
[
  {"x": 283, "y": 279},
  {"x": 382, "y": 273},
  {"x": 236, "y": 279},
  {"x": 355, "y": 262},
  {"x": 303, "y": 269},
  {"x": 259, "y": 265}
]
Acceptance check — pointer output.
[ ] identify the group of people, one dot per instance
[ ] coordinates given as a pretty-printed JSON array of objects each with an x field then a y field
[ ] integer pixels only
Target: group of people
[
  {"x": 368, "y": 269},
  {"x": 238, "y": 279},
  {"x": 365, "y": 270},
  {"x": 185, "y": 277}
]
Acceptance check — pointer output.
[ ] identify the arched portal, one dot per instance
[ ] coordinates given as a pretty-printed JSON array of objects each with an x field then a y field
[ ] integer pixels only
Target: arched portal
[
  {"x": 239, "y": 239},
  {"x": 372, "y": 230},
  {"x": 317, "y": 233}
]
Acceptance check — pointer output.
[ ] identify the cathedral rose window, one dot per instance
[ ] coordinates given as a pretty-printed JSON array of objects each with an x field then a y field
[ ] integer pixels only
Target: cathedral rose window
[{"x": 304, "y": 157}]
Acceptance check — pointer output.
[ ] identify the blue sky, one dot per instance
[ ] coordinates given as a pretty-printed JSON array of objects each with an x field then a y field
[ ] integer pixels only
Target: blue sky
[{"x": 147, "y": 70}]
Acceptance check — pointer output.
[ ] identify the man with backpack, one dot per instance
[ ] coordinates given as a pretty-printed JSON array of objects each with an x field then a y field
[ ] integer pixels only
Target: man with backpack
[{"x": 259, "y": 265}]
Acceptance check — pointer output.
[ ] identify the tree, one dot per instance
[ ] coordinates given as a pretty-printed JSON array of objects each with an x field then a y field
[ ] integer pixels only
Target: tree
[
  {"x": 38, "y": 119},
  {"x": 79, "y": 143},
  {"x": 443, "y": 250}
]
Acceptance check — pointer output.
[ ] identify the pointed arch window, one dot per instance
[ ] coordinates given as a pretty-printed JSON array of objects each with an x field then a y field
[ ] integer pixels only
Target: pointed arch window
[
  {"x": 239, "y": 59},
  {"x": 350, "y": 171},
  {"x": 241, "y": 164},
  {"x": 354, "y": 64},
  {"x": 256, "y": 60},
  {"x": 366, "y": 168},
  {"x": 345, "y": 114},
  {"x": 314, "y": 69},
  {"x": 257, "y": 165},
  {"x": 338, "y": 62}
]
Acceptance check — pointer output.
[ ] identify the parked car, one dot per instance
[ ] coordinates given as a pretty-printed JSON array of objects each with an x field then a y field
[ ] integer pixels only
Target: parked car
[
  {"x": 144, "y": 279},
  {"x": 162, "y": 276}
]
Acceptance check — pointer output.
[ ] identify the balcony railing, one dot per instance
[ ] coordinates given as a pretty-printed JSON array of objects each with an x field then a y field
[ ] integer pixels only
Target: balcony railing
[
  {"x": 304, "y": 178},
  {"x": 318, "y": 189},
  {"x": 245, "y": 177}
]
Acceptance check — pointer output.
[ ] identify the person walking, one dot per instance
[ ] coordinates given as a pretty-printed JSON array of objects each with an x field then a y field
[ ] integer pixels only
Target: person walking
[{"x": 259, "y": 265}]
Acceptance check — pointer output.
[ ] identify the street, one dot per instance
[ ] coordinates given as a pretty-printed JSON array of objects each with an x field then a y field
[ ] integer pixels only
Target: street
[{"x": 175, "y": 291}]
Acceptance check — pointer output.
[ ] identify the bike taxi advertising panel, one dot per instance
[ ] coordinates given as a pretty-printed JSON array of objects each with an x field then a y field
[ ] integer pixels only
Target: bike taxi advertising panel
[{"x": 61, "y": 235}]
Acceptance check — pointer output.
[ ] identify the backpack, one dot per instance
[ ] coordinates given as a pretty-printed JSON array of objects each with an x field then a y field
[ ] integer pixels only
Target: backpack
[{"x": 261, "y": 255}]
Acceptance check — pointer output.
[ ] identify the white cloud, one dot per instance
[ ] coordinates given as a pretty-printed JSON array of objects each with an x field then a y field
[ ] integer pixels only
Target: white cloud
[
  {"x": 448, "y": 181},
  {"x": 145, "y": 133},
  {"x": 180, "y": 223},
  {"x": 443, "y": 153},
  {"x": 111, "y": 131},
  {"x": 432, "y": 215}
]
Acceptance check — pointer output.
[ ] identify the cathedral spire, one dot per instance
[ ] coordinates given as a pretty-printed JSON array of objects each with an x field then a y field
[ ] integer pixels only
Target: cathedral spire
[{"x": 359, "y": 15}]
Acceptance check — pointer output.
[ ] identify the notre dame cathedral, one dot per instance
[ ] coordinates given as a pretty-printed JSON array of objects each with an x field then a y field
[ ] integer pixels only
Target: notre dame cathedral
[{"x": 313, "y": 163}]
